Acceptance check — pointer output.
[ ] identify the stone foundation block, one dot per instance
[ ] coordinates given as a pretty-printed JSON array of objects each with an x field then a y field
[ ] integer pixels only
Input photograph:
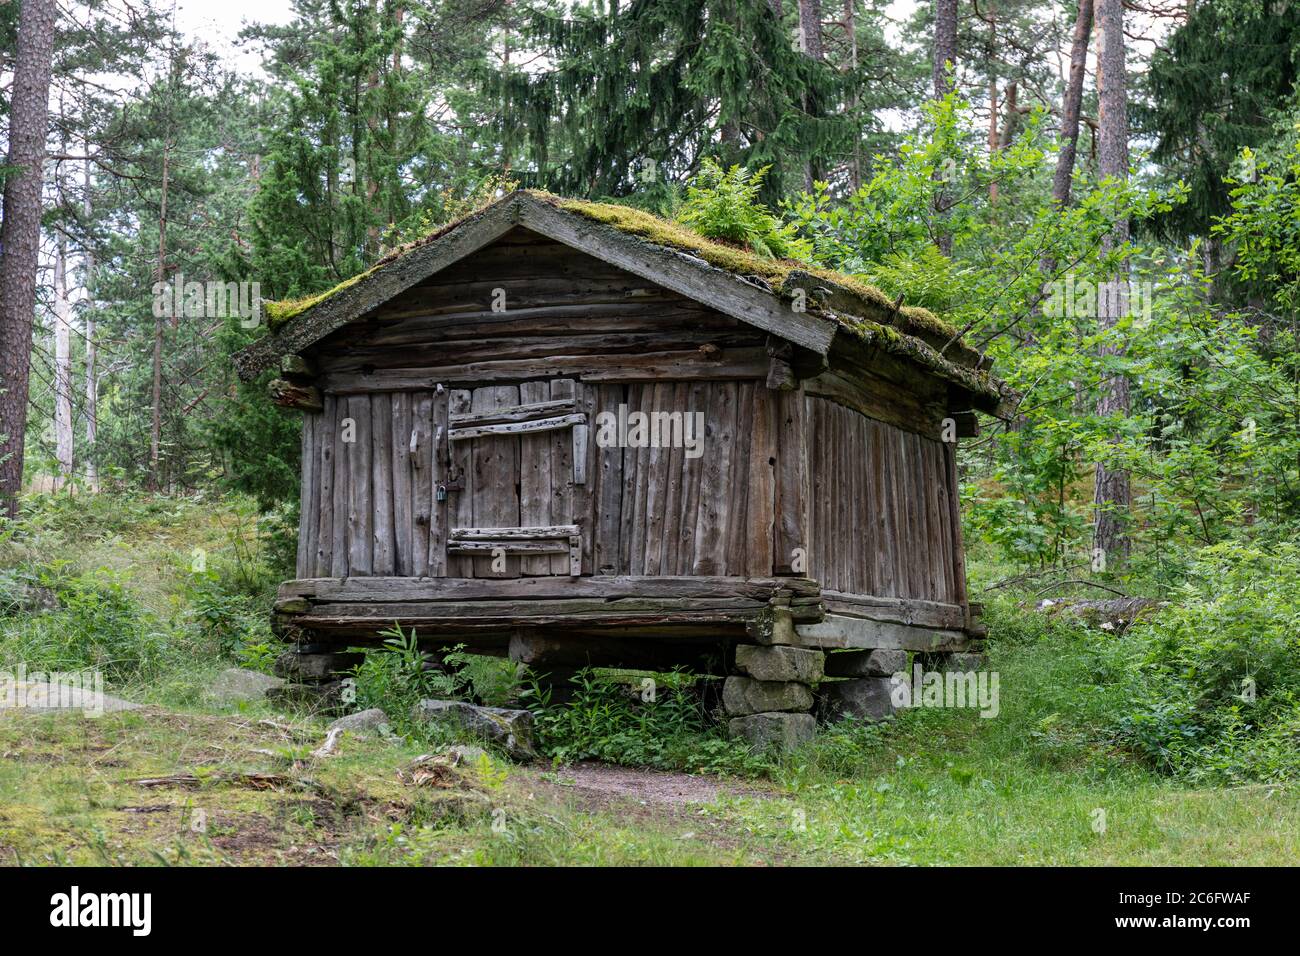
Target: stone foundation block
[
  {"x": 866, "y": 698},
  {"x": 777, "y": 731},
  {"x": 877, "y": 663},
  {"x": 779, "y": 663},
  {"x": 742, "y": 696}
]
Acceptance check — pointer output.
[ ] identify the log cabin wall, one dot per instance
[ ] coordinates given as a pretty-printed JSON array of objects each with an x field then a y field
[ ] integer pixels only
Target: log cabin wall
[
  {"x": 529, "y": 321},
  {"x": 880, "y": 510},
  {"x": 526, "y": 321},
  {"x": 370, "y": 504}
]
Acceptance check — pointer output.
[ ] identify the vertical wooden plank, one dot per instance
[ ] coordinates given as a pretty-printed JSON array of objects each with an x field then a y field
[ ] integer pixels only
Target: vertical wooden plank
[
  {"x": 496, "y": 479},
  {"x": 326, "y": 436},
  {"x": 715, "y": 482},
  {"x": 562, "y": 511},
  {"x": 344, "y": 425},
  {"x": 925, "y": 543},
  {"x": 903, "y": 488},
  {"x": 736, "y": 561},
  {"x": 889, "y": 539},
  {"x": 383, "y": 562},
  {"x": 853, "y": 503},
  {"x": 306, "y": 503},
  {"x": 791, "y": 473},
  {"x": 609, "y": 486},
  {"x": 939, "y": 482},
  {"x": 399, "y": 455},
  {"x": 360, "y": 542},
  {"x": 697, "y": 406},
  {"x": 760, "y": 506},
  {"x": 459, "y": 507},
  {"x": 584, "y": 497},
  {"x": 656, "y": 485},
  {"x": 423, "y": 508},
  {"x": 672, "y": 533},
  {"x": 627, "y": 520},
  {"x": 839, "y": 516},
  {"x": 437, "y": 461},
  {"x": 535, "y": 478},
  {"x": 954, "y": 511}
]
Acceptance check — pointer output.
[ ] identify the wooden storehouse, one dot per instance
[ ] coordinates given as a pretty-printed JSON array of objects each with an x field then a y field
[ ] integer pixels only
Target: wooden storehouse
[{"x": 574, "y": 433}]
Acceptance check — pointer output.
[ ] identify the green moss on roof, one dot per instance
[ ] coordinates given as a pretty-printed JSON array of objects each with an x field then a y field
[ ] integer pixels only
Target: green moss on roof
[{"x": 663, "y": 232}]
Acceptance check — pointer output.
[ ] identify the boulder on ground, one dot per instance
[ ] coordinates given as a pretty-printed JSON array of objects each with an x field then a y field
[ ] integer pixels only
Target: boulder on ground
[
  {"x": 1109, "y": 615},
  {"x": 237, "y": 683},
  {"x": 363, "y": 722},
  {"x": 779, "y": 731},
  {"x": 742, "y": 696},
  {"x": 512, "y": 729}
]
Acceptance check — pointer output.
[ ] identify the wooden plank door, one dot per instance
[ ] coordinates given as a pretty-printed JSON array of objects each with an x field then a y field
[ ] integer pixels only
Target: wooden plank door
[{"x": 512, "y": 455}]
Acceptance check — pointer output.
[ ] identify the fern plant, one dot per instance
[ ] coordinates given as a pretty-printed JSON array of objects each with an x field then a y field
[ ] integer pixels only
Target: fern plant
[{"x": 723, "y": 204}]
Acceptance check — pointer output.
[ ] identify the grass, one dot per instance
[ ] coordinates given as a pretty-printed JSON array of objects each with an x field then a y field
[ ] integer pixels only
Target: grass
[{"x": 934, "y": 787}]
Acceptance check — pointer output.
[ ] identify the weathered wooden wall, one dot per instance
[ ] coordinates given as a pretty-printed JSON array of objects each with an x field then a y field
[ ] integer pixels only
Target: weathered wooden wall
[
  {"x": 784, "y": 475},
  {"x": 370, "y": 505},
  {"x": 882, "y": 521}
]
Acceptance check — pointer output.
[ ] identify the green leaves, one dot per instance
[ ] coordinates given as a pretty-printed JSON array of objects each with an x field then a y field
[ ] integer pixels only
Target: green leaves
[{"x": 723, "y": 204}]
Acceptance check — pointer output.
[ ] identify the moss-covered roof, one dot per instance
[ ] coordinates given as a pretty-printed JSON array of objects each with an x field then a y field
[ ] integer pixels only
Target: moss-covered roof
[{"x": 913, "y": 333}]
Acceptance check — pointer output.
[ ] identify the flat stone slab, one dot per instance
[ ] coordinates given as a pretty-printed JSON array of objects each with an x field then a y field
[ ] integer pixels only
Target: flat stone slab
[
  {"x": 866, "y": 698},
  {"x": 40, "y": 697},
  {"x": 742, "y": 696},
  {"x": 237, "y": 683},
  {"x": 774, "y": 731},
  {"x": 780, "y": 663},
  {"x": 512, "y": 729}
]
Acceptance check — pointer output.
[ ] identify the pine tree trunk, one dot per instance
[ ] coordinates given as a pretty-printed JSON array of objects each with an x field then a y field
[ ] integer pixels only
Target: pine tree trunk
[
  {"x": 20, "y": 234},
  {"x": 92, "y": 350},
  {"x": 1072, "y": 105},
  {"x": 62, "y": 334},
  {"x": 945, "y": 53},
  {"x": 945, "y": 45},
  {"x": 160, "y": 276},
  {"x": 1113, "y": 497},
  {"x": 851, "y": 29}
]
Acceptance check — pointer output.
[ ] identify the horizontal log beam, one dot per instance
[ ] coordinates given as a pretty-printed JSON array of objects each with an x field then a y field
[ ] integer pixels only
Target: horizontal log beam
[{"x": 604, "y": 587}]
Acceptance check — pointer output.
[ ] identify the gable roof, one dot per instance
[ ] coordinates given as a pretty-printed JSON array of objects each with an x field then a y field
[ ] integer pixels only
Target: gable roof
[{"x": 803, "y": 305}]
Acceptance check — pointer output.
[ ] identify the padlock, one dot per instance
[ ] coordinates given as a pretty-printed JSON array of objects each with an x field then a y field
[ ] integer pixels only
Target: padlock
[{"x": 441, "y": 493}]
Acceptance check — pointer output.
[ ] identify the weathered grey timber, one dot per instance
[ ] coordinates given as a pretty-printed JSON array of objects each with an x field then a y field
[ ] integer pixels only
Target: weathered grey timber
[{"x": 543, "y": 435}]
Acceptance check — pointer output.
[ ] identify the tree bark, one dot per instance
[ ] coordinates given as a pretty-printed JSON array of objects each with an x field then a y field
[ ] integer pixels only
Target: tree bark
[
  {"x": 1113, "y": 496},
  {"x": 160, "y": 276},
  {"x": 92, "y": 350},
  {"x": 945, "y": 54},
  {"x": 20, "y": 234},
  {"x": 62, "y": 334},
  {"x": 945, "y": 45},
  {"x": 1072, "y": 105}
]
